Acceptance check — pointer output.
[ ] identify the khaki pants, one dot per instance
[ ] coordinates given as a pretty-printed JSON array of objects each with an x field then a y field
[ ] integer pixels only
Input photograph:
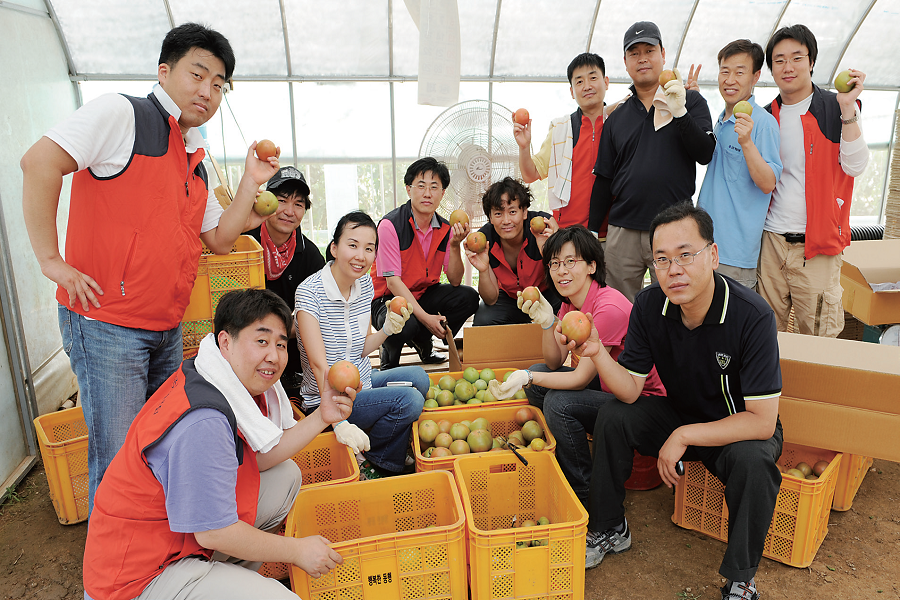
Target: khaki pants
[
  {"x": 745, "y": 277},
  {"x": 812, "y": 287},
  {"x": 628, "y": 256},
  {"x": 228, "y": 578}
]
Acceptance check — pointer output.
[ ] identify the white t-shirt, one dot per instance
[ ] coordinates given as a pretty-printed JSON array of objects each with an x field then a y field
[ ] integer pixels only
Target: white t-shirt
[
  {"x": 787, "y": 210},
  {"x": 100, "y": 137}
]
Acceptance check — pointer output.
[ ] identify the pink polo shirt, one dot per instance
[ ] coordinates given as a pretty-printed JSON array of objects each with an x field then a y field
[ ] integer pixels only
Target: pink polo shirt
[{"x": 388, "y": 257}]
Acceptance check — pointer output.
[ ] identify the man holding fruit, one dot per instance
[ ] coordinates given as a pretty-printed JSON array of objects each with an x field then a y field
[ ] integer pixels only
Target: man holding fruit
[
  {"x": 188, "y": 505},
  {"x": 415, "y": 244},
  {"x": 745, "y": 166},
  {"x": 511, "y": 261},
  {"x": 808, "y": 223},
  {"x": 567, "y": 156},
  {"x": 715, "y": 347},
  {"x": 139, "y": 208}
]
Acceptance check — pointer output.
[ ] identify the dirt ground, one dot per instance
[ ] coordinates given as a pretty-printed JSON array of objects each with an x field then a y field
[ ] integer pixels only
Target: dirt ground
[{"x": 860, "y": 557}]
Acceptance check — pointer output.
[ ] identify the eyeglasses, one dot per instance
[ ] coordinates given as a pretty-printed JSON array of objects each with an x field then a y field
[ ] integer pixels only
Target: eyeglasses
[
  {"x": 553, "y": 265},
  {"x": 682, "y": 260},
  {"x": 780, "y": 62},
  {"x": 434, "y": 187}
]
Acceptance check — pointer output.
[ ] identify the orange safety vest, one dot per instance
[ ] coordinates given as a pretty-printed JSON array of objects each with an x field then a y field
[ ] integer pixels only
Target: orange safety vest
[
  {"x": 129, "y": 541},
  {"x": 419, "y": 272},
  {"x": 138, "y": 233}
]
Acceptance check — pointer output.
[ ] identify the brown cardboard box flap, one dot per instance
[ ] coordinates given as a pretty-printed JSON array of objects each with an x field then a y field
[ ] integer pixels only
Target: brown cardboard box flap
[
  {"x": 869, "y": 262},
  {"x": 840, "y": 395},
  {"x": 503, "y": 343}
]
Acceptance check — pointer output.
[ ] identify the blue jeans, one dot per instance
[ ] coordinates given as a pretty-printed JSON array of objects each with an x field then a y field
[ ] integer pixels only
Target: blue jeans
[
  {"x": 388, "y": 414},
  {"x": 118, "y": 369},
  {"x": 570, "y": 415}
]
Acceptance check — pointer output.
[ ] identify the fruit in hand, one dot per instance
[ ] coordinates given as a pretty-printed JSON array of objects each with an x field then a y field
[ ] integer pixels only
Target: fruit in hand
[
  {"x": 476, "y": 242},
  {"x": 531, "y": 293},
  {"x": 398, "y": 303},
  {"x": 266, "y": 204},
  {"x": 459, "y": 216},
  {"x": 841, "y": 82},
  {"x": 265, "y": 149},
  {"x": 575, "y": 326},
  {"x": 666, "y": 76},
  {"x": 743, "y": 107},
  {"x": 521, "y": 116},
  {"x": 342, "y": 375},
  {"x": 538, "y": 224}
]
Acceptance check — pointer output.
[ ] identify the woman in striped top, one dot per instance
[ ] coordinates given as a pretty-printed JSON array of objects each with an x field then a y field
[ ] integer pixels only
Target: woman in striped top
[{"x": 333, "y": 310}]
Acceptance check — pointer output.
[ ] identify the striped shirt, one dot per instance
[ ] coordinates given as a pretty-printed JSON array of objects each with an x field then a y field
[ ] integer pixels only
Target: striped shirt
[{"x": 343, "y": 324}]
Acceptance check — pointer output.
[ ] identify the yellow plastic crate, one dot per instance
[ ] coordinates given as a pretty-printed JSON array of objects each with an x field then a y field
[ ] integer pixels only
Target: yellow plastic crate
[
  {"x": 217, "y": 275},
  {"x": 850, "y": 476},
  {"x": 502, "y": 420},
  {"x": 63, "y": 439},
  {"x": 496, "y": 487},
  {"x": 399, "y": 537},
  {"x": 800, "y": 521},
  {"x": 498, "y": 373},
  {"x": 324, "y": 461}
]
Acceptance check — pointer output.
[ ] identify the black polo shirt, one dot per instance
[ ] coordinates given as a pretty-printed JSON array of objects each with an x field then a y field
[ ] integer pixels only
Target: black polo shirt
[
  {"x": 651, "y": 170},
  {"x": 307, "y": 260},
  {"x": 709, "y": 371}
]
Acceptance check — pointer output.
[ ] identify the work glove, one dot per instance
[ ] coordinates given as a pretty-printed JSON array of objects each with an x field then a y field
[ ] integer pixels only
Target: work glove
[
  {"x": 540, "y": 312},
  {"x": 351, "y": 436},
  {"x": 507, "y": 389},
  {"x": 393, "y": 323},
  {"x": 676, "y": 95}
]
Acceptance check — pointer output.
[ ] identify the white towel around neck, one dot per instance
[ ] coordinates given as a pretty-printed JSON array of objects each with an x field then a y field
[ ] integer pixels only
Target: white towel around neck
[{"x": 262, "y": 433}]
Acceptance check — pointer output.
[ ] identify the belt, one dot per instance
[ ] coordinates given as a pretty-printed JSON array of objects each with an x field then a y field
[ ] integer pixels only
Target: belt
[{"x": 794, "y": 238}]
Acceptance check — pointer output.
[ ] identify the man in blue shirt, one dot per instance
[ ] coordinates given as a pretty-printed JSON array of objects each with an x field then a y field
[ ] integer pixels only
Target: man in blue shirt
[{"x": 745, "y": 166}]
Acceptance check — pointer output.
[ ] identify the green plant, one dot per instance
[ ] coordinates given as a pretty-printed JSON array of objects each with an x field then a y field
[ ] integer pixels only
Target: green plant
[{"x": 10, "y": 495}]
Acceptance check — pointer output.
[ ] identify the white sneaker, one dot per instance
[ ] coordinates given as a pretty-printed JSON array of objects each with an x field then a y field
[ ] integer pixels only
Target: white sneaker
[{"x": 599, "y": 545}]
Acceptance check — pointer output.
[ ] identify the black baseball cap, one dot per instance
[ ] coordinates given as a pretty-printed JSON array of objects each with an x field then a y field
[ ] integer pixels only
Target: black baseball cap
[
  {"x": 287, "y": 175},
  {"x": 642, "y": 31}
]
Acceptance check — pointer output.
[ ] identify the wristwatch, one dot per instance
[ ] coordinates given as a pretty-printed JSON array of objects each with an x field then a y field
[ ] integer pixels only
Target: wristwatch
[
  {"x": 530, "y": 377},
  {"x": 853, "y": 120}
]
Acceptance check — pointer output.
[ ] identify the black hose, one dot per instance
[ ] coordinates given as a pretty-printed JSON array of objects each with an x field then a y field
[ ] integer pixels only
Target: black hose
[{"x": 866, "y": 232}]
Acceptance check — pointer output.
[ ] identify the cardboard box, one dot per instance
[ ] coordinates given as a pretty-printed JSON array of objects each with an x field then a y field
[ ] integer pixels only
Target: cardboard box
[
  {"x": 502, "y": 346},
  {"x": 866, "y": 263},
  {"x": 840, "y": 395}
]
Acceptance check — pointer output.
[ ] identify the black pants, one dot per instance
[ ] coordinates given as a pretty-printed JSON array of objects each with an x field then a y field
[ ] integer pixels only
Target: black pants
[
  {"x": 454, "y": 303},
  {"x": 505, "y": 312},
  {"x": 746, "y": 468}
]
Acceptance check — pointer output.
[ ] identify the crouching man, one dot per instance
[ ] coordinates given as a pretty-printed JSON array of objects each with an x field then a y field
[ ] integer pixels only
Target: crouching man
[
  {"x": 715, "y": 347},
  {"x": 184, "y": 508}
]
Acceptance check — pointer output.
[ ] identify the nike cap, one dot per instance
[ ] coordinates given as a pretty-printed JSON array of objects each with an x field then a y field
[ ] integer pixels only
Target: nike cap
[{"x": 642, "y": 31}]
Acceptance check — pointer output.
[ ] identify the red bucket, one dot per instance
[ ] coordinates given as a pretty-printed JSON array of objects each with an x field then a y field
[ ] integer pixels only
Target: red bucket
[{"x": 644, "y": 474}]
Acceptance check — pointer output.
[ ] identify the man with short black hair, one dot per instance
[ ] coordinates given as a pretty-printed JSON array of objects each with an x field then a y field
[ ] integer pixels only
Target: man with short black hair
[
  {"x": 511, "y": 260},
  {"x": 715, "y": 347},
  {"x": 808, "y": 223},
  {"x": 416, "y": 244},
  {"x": 139, "y": 208},
  {"x": 188, "y": 506},
  {"x": 289, "y": 256},
  {"x": 648, "y": 157},
  {"x": 745, "y": 166},
  {"x": 567, "y": 156}
]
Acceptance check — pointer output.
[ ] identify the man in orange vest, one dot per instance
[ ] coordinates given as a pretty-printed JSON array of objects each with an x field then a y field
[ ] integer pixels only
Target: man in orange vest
[
  {"x": 139, "y": 207},
  {"x": 206, "y": 469}
]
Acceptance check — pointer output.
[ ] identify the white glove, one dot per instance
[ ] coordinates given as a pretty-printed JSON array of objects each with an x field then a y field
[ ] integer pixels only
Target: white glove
[
  {"x": 350, "y": 435},
  {"x": 676, "y": 95},
  {"x": 507, "y": 389},
  {"x": 393, "y": 323},
  {"x": 540, "y": 312}
]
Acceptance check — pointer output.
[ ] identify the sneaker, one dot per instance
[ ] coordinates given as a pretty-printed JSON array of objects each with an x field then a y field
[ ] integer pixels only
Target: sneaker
[
  {"x": 739, "y": 590},
  {"x": 609, "y": 542},
  {"x": 367, "y": 471}
]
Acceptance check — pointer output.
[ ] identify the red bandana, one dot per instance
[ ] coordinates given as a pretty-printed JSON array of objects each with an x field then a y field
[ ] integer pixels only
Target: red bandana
[{"x": 276, "y": 258}]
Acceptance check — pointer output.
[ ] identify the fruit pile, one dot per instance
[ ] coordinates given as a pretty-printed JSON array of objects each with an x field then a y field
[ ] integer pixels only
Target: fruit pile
[
  {"x": 527, "y": 524},
  {"x": 472, "y": 388},
  {"x": 444, "y": 438},
  {"x": 803, "y": 471}
]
